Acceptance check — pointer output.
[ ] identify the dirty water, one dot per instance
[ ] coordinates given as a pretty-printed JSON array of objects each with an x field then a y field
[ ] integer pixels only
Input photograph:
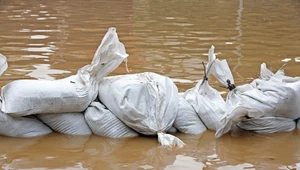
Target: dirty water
[{"x": 53, "y": 39}]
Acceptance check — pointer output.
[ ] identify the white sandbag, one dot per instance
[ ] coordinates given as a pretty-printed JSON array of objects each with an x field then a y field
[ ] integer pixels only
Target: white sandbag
[
  {"x": 187, "y": 120},
  {"x": 146, "y": 102},
  {"x": 266, "y": 74},
  {"x": 102, "y": 122},
  {"x": 72, "y": 94},
  {"x": 268, "y": 124},
  {"x": 269, "y": 96},
  {"x": 22, "y": 126},
  {"x": 3, "y": 64},
  {"x": 67, "y": 123},
  {"x": 207, "y": 101},
  {"x": 172, "y": 129},
  {"x": 208, "y": 104}
]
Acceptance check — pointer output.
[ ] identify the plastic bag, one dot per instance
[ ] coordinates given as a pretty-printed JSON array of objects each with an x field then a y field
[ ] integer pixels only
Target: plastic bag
[
  {"x": 72, "y": 94},
  {"x": 269, "y": 96},
  {"x": 207, "y": 101},
  {"x": 3, "y": 64},
  {"x": 22, "y": 126},
  {"x": 187, "y": 120},
  {"x": 268, "y": 124},
  {"x": 146, "y": 102},
  {"x": 67, "y": 123},
  {"x": 102, "y": 122}
]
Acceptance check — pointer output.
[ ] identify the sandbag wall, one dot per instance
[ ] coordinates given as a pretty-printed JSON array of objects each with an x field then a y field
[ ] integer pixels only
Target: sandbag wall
[{"x": 145, "y": 103}]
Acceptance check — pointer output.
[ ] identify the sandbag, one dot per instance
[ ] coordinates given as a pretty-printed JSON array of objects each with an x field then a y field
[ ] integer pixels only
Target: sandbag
[
  {"x": 267, "y": 124},
  {"x": 72, "y": 94},
  {"x": 22, "y": 126},
  {"x": 102, "y": 122},
  {"x": 3, "y": 64},
  {"x": 268, "y": 96},
  {"x": 187, "y": 121},
  {"x": 298, "y": 124},
  {"x": 67, "y": 123},
  {"x": 146, "y": 102},
  {"x": 207, "y": 101},
  {"x": 172, "y": 129}
]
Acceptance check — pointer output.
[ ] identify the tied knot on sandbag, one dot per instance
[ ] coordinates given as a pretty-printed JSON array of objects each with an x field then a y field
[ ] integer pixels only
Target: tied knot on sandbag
[{"x": 230, "y": 86}]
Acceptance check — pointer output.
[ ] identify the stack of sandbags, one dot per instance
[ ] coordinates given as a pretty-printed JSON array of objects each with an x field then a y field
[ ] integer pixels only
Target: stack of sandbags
[
  {"x": 146, "y": 102},
  {"x": 19, "y": 126},
  {"x": 60, "y": 103},
  {"x": 272, "y": 98}
]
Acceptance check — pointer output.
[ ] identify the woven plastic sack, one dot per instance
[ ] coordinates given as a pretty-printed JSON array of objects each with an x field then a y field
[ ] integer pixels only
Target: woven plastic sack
[
  {"x": 66, "y": 123},
  {"x": 269, "y": 96},
  {"x": 187, "y": 121},
  {"x": 72, "y": 94},
  {"x": 268, "y": 124},
  {"x": 102, "y": 122},
  {"x": 207, "y": 101},
  {"x": 22, "y": 126},
  {"x": 146, "y": 102},
  {"x": 3, "y": 64}
]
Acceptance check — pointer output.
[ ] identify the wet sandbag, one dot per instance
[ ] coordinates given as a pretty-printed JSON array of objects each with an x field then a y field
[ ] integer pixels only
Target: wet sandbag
[
  {"x": 22, "y": 126},
  {"x": 187, "y": 121},
  {"x": 146, "y": 102},
  {"x": 66, "y": 123},
  {"x": 172, "y": 129},
  {"x": 207, "y": 101},
  {"x": 268, "y": 124},
  {"x": 102, "y": 122},
  {"x": 72, "y": 94},
  {"x": 268, "y": 97},
  {"x": 3, "y": 64}
]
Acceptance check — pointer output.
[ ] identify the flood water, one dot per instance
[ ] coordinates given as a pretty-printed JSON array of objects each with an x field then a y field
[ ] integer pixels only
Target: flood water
[{"x": 53, "y": 39}]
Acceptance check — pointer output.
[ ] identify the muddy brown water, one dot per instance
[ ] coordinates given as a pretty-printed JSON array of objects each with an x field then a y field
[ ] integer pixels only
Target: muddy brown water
[{"x": 53, "y": 39}]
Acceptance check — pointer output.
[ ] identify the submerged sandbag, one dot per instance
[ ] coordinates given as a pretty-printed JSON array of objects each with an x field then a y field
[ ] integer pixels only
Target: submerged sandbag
[
  {"x": 268, "y": 124},
  {"x": 146, "y": 102},
  {"x": 67, "y": 123},
  {"x": 207, "y": 101},
  {"x": 187, "y": 121},
  {"x": 102, "y": 122},
  {"x": 72, "y": 94},
  {"x": 269, "y": 96},
  {"x": 22, "y": 126}
]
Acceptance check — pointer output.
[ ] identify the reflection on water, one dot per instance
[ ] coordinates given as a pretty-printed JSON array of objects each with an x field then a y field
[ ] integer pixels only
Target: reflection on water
[
  {"x": 52, "y": 40},
  {"x": 238, "y": 167},
  {"x": 42, "y": 71},
  {"x": 185, "y": 162}
]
